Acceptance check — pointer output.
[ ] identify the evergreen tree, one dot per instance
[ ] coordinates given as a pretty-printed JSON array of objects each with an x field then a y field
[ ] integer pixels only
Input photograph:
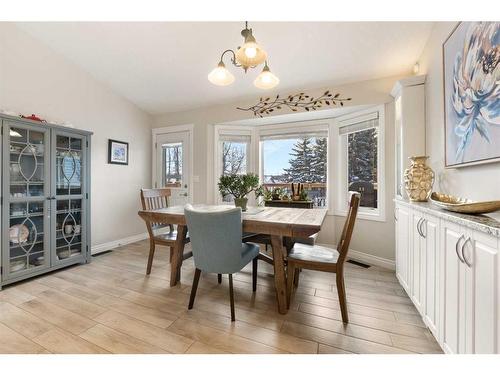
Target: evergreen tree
[
  {"x": 319, "y": 162},
  {"x": 363, "y": 155},
  {"x": 301, "y": 164}
]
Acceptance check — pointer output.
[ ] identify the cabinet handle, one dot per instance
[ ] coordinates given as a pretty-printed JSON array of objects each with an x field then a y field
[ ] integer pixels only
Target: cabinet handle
[
  {"x": 418, "y": 227},
  {"x": 421, "y": 227},
  {"x": 463, "y": 254},
  {"x": 456, "y": 248}
]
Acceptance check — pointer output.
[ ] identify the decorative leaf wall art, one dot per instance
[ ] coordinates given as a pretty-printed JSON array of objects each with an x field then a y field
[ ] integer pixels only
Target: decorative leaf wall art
[{"x": 295, "y": 102}]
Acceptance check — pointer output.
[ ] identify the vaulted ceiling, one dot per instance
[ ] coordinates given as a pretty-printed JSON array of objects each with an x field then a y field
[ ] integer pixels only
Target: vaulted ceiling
[{"x": 163, "y": 66}]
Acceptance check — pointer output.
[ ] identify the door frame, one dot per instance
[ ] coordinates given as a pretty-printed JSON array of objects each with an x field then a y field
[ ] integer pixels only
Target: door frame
[{"x": 173, "y": 129}]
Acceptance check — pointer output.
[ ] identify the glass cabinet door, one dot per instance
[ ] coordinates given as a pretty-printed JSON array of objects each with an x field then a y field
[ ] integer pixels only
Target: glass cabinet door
[
  {"x": 26, "y": 192},
  {"x": 69, "y": 191}
]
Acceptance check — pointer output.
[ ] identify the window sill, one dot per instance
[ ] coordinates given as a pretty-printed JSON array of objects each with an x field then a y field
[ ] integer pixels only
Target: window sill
[{"x": 364, "y": 215}]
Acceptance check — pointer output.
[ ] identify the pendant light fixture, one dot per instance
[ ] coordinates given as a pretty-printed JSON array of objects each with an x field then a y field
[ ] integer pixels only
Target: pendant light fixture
[{"x": 249, "y": 55}]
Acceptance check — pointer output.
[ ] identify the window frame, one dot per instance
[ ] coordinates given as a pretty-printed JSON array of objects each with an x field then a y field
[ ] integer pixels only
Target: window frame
[
  {"x": 297, "y": 128},
  {"x": 341, "y": 205},
  {"x": 221, "y": 131}
]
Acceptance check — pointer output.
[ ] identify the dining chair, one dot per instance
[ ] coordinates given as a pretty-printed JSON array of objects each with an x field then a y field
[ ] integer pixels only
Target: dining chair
[
  {"x": 152, "y": 199},
  {"x": 324, "y": 259},
  {"x": 216, "y": 241}
]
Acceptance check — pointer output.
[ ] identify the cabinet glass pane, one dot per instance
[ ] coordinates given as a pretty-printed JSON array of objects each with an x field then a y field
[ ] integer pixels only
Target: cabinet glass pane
[
  {"x": 69, "y": 228},
  {"x": 26, "y": 163},
  {"x": 26, "y": 235},
  {"x": 68, "y": 165}
]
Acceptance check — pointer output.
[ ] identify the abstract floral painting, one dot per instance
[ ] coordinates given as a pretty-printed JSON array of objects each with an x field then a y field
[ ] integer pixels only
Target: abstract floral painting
[{"x": 472, "y": 93}]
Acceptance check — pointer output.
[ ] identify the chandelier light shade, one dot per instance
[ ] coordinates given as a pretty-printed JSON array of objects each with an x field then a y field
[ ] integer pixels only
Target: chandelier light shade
[
  {"x": 249, "y": 55},
  {"x": 266, "y": 80},
  {"x": 220, "y": 76}
]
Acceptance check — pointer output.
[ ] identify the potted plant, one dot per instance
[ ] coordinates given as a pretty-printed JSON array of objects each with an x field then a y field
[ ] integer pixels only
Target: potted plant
[{"x": 239, "y": 186}]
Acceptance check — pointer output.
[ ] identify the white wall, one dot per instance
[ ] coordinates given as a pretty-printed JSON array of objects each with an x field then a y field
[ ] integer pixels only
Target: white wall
[
  {"x": 370, "y": 237},
  {"x": 34, "y": 79},
  {"x": 475, "y": 182}
]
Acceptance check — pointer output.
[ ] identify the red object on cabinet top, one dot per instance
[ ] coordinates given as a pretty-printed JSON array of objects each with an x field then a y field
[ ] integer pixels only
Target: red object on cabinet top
[{"x": 33, "y": 117}]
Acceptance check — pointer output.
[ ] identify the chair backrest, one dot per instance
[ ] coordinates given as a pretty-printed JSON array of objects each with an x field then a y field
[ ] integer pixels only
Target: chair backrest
[
  {"x": 215, "y": 239},
  {"x": 345, "y": 238},
  {"x": 152, "y": 199}
]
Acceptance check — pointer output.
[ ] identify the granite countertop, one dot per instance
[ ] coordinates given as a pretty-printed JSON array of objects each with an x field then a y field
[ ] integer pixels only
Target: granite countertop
[{"x": 484, "y": 223}]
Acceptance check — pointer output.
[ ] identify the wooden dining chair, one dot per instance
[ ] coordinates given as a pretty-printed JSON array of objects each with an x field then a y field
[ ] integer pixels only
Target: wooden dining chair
[
  {"x": 152, "y": 199},
  {"x": 324, "y": 259}
]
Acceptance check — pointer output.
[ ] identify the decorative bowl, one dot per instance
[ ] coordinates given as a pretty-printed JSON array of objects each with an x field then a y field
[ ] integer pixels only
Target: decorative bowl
[
  {"x": 18, "y": 233},
  {"x": 462, "y": 205}
]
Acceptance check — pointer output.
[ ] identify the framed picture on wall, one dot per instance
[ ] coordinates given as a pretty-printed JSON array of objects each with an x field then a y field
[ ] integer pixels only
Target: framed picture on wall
[
  {"x": 117, "y": 152},
  {"x": 471, "y": 71}
]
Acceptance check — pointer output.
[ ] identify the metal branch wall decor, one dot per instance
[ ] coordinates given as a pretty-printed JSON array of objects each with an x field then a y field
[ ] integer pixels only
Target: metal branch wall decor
[{"x": 265, "y": 106}]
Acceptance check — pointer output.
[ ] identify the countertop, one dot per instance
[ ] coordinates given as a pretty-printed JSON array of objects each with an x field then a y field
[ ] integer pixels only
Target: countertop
[{"x": 484, "y": 223}]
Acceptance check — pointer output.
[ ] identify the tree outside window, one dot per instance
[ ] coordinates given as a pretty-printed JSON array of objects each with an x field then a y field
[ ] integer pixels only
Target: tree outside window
[{"x": 302, "y": 159}]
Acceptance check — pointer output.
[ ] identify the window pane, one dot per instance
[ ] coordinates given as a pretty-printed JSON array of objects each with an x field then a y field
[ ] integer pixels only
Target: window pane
[
  {"x": 362, "y": 165},
  {"x": 301, "y": 159},
  {"x": 172, "y": 157},
  {"x": 234, "y": 157},
  {"x": 234, "y": 160}
]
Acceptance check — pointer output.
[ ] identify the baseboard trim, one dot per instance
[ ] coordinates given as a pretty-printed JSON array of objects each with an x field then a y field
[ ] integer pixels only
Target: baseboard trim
[
  {"x": 370, "y": 259},
  {"x": 96, "y": 249}
]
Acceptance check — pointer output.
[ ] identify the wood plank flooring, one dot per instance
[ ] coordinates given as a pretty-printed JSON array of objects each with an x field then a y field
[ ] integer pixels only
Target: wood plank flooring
[{"x": 110, "y": 306}]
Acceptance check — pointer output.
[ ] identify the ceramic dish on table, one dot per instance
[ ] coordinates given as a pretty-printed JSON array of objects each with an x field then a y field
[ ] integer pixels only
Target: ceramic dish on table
[{"x": 462, "y": 205}]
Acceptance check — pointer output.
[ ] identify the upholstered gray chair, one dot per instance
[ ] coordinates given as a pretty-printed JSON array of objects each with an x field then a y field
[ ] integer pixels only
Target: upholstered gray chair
[{"x": 216, "y": 241}]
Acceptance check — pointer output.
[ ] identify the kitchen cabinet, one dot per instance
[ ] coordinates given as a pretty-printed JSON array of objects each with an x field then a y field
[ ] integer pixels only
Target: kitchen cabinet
[{"x": 451, "y": 275}]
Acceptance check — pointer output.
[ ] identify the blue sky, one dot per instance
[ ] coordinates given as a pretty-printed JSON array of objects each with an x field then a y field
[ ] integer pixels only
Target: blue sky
[{"x": 276, "y": 155}]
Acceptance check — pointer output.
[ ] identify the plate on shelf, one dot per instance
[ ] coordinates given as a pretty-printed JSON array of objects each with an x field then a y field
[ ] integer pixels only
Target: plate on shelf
[
  {"x": 63, "y": 254},
  {"x": 462, "y": 205},
  {"x": 38, "y": 261},
  {"x": 18, "y": 233},
  {"x": 17, "y": 265}
]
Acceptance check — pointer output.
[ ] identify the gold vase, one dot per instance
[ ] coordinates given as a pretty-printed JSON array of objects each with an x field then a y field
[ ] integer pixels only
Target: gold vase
[{"x": 419, "y": 179}]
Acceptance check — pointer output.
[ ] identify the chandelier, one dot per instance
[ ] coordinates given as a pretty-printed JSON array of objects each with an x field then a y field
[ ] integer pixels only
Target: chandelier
[{"x": 249, "y": 55}]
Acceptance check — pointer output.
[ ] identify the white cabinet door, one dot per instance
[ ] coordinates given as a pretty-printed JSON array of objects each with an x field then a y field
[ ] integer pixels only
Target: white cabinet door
[
  {"x": 417, "y": 253},
  {"x": 480, "y": 254},
  {"x": 402, "y": 246},
  {"x": 452, "y": 314},
  {"x": 430, "y": 230}
]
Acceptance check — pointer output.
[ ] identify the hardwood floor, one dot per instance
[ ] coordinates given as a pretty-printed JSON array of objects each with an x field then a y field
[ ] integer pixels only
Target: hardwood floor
[{"x": 110, "y": 306}]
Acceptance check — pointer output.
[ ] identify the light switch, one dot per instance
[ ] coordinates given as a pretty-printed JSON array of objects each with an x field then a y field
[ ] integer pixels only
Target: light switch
[{"x": 196, "y": 178}]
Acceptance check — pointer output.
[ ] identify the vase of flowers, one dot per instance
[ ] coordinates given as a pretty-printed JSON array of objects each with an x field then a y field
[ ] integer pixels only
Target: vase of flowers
[{"x": 239, "y": 186}]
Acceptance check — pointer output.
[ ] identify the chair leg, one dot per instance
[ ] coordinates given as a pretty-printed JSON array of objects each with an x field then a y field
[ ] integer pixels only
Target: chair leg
[
  {"x": 254, "y": 274},
  {"x": 296, "y": 276},
  {"x": 342, "y": 297},
  {"x": 197, "y": 274},
  {"x": 150, "y": 257},
  {"x": 290, "y": 282},
  {"x": 219, "y": 278},
  {"x": 231, "y": 296},
  {"x": 171, "y": 253}
]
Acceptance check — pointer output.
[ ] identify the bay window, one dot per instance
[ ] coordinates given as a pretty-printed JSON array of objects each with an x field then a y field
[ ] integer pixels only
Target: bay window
[
  {"x": 233, "y": 156},
  {"x": 296, "y": 158},
  {"x": 359, "y": 158}
]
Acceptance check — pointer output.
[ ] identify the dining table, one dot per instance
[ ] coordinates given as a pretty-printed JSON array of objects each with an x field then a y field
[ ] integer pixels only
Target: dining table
[{"x": 283, "y": 225}]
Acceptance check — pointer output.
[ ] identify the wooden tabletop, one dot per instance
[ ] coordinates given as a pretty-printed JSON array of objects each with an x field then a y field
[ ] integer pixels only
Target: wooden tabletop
[
  {"x": 293, "y": 222},
  {"x": 277, "y": 222}
]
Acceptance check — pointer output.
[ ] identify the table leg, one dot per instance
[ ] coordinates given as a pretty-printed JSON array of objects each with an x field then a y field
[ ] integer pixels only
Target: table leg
[
  {"x": 279, "y": 272},
  {"x": 176, "y": 263}
]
